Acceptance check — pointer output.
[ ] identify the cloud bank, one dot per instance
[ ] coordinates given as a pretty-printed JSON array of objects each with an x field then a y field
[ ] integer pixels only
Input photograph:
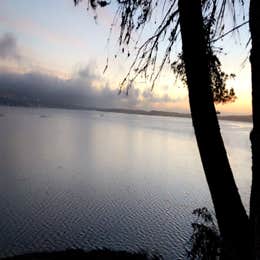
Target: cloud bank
[
  {"x": 84, "y": 88},
  {"x": 80, "y": 90}
]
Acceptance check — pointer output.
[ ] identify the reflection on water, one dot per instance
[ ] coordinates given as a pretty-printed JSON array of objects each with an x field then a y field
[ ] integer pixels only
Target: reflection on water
[{"x": 75, "y": 179}]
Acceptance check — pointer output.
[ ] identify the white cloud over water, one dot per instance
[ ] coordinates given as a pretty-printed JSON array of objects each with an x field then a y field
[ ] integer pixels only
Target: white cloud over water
[{"x": 80, "y": 89}]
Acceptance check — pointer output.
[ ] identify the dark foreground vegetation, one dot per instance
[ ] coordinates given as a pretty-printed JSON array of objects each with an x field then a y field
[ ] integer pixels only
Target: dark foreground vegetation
[{"x": 78, "y": 254}]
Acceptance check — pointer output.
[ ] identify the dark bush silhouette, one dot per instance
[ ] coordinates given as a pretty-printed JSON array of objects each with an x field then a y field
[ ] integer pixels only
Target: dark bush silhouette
[{"x": 205, "y": 242}]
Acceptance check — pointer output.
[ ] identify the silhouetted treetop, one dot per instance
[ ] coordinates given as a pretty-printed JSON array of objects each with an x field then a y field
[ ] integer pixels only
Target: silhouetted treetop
[{"x": 157, "y": 51}]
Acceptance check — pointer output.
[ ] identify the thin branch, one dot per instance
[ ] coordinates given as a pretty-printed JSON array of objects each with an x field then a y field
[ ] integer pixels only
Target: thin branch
[{"x": 230, "y": 31}]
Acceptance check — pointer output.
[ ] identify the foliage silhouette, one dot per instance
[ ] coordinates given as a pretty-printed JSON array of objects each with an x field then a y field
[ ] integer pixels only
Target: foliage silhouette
[{"x": 205, "y": 241}]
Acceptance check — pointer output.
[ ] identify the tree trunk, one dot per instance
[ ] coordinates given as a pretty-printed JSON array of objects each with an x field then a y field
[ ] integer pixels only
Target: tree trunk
[
  {"x": 254, "y": 23},
  {"x": 231, "y": 216}
]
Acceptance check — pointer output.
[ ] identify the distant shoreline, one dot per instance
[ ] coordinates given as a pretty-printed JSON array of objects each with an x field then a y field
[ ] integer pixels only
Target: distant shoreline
[{"x": 239, "y": 118}]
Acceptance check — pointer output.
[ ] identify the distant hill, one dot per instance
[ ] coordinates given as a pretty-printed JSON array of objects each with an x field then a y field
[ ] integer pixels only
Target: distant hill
[
  {"x": 143, "y": 112},
  {"x": 241, "y": 118},
  {"x": 25, "y": 102}
]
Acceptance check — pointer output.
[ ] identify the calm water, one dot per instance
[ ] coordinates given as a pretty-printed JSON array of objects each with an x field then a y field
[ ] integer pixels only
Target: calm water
[{"x": 81, "y": 179}]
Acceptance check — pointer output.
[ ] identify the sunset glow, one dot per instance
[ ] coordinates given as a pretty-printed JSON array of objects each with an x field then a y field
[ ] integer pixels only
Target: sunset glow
[{"x": 58, "y": 40}]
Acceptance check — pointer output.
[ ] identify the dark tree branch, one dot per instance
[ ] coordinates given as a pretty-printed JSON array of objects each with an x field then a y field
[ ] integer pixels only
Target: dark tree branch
[{"x": 230, "y": 31}]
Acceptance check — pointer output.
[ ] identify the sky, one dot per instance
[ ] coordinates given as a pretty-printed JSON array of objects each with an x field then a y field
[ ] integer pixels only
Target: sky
[{"x": 54, "y": 50}]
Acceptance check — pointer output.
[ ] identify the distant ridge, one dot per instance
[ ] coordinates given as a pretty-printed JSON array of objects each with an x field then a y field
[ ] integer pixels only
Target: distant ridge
[
  {"x": 143, "y": 112},
  {"x": 241, "y": 118}
]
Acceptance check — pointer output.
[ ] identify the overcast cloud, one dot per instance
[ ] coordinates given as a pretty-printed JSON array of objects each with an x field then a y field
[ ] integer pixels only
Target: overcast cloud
[{"x": 79, "y": 90}]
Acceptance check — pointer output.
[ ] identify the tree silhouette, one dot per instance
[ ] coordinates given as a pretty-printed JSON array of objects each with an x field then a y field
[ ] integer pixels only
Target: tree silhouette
[
  {"x": 230, "y": 212},
  {"x": 199, "y": 23},
  {"x": 254, "y": 24}
]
